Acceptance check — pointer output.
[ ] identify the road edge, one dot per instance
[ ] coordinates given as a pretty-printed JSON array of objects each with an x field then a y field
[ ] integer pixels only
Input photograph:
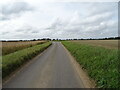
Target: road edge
[
  {"x": 26, "y": 64},
  {"x": 87, "y": 81}
]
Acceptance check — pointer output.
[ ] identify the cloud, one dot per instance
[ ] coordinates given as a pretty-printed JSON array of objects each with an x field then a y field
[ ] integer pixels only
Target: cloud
[
  {"x": 94, "y": 26},
  {"x": 61, "y": 20},
  {"x": 12, "y": 10},
  {"x": 103, "y": 7}
]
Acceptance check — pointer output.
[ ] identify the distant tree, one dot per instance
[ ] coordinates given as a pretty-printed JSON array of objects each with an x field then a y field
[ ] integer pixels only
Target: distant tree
[
  {"x": 53, "y": 39},
  {"x": 43, "y": 39},
  {"x": 38, "y": 39},
  {"x": 48, "y": 39},
  {"x": 34, "y": 40},
  {"x": 117, "y": 37}
]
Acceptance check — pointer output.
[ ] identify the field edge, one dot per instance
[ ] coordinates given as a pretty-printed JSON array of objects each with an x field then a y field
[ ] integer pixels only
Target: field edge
[
  {"x": 74, "y": 52},
  {"x": 24, "y": 61},
  {"x": 87, "y": 81}
]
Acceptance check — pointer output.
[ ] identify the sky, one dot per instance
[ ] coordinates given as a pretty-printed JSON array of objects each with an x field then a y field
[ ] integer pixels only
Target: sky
[{"x": 31, "y": 19}]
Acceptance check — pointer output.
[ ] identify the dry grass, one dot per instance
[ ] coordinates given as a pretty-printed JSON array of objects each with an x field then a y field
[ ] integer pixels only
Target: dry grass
[
  {"x": 10, "y": 47},
  {"x": 110, "y": 44}
]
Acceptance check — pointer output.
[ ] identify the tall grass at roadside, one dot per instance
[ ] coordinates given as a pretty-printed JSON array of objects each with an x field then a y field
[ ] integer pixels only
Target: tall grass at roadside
[
  {"x": 101, "y": 63},
  {"x": 14, "y": 60},
  {"x": 10, "y": 47}
]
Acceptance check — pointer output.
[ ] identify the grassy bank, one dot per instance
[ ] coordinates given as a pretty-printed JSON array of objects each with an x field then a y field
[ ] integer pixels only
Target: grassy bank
[
  {"x": 10, "y": 47},
  {"x": 14, "y": 60},
  {"x": 100, "y": 63}
]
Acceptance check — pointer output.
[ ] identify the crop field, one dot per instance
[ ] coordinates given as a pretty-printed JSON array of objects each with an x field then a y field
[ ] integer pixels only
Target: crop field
[
  {"x": 100, "y": 63},
  {"x": 12, "y": 61},
  {"x": 110, "y": 44},
  {"x": 10, "y": 47}
]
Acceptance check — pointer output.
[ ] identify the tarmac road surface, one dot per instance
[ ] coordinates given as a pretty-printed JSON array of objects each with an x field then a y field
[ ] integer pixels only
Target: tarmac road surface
[{"x": 51, "y": 69}]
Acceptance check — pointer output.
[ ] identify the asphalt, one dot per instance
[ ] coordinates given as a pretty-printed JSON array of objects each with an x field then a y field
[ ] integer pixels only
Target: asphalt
[{"x": 51, "y": 69}]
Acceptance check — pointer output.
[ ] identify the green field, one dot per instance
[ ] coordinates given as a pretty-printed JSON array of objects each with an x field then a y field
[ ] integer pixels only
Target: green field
[
  {"x": 14, "y": 60},
  {"x": 100, "y": 63},
  {"x": 13, "y": 46}
]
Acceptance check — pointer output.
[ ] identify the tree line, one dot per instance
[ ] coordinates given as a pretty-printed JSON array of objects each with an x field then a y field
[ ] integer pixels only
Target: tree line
[{"x": 48, "y": 39}]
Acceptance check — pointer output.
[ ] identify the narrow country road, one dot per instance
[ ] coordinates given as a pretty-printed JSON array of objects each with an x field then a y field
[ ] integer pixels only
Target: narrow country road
[{"x": 51, "y": 69}]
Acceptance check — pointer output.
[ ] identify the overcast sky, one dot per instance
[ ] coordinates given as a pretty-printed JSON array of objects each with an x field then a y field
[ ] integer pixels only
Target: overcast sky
[{"x": 27, "y": 19}]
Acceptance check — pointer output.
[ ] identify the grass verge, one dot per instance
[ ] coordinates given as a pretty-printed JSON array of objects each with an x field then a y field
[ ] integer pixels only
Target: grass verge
[
  {"x": 14, "y": 60},
  {"x": 10, "y": 47},
  {"x": 100, "y": 63}
]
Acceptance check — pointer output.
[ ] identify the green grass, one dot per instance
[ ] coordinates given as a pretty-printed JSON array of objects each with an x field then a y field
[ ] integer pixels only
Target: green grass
[
  {"x": 7, "y": 49},
  {"x": 14, "y": 60},
  {"x": 101, "y": 63}
]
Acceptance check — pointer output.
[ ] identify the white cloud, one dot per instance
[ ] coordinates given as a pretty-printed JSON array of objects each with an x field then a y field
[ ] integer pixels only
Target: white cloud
[
  {"x": 11, "y": 10},
  {"x": 60, "y": 20}
]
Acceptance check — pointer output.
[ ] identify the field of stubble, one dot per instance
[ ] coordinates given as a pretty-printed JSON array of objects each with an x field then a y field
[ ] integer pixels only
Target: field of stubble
[{"x": 10, "y": 47}]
